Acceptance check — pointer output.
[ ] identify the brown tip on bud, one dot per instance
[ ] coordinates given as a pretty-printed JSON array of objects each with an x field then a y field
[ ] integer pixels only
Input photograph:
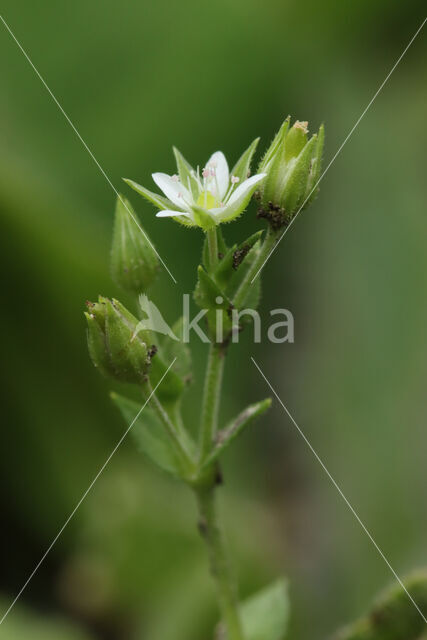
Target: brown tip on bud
[{"x": 301, "y": 125}]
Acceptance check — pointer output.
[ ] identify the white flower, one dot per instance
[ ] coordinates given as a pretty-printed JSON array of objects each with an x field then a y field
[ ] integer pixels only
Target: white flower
[{"x": 204, "y": 198}]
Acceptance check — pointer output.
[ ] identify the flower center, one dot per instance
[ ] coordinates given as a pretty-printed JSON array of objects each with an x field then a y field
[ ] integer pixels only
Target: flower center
[{"x": 207, "y": 200}]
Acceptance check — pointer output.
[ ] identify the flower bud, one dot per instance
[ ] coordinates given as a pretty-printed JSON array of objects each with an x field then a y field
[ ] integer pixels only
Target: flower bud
[
  {"x": 292, "y": 164},
  {"x": 134, "y": 261},
  {"x": 116, "y": 346}
]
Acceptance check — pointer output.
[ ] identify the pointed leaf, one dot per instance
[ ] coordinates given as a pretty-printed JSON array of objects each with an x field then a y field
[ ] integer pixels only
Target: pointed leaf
[
  {"x": 234, "y": 258},
  {"x": 254, "y": 294},
  {"x": 242, "y": 167},
  {"x": 225, "y": 436},
  {"x": 207, "y": 292},
  {"x": 149, "y": 434}
]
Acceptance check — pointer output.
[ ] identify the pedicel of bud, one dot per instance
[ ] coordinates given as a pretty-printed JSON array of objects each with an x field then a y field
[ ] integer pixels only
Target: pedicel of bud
[
  {"x": 134, "y": 261},
  {"x": 292, "y": 164},
  {"x": 116, "y": 347}
]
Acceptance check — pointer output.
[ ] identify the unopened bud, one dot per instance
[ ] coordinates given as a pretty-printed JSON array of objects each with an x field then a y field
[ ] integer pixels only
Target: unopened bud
[
  {"x": 116, "y": 346},
  {"x": 292, "y": 163},
  {"x": 134, "y": 261}
]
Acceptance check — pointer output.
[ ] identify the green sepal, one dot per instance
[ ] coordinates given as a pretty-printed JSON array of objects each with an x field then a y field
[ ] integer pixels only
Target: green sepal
[
  {"x": 186, "y": 173},
  {"x": 159, "y": 201},
  {"x": 202, "y": 218},
  {"x": 149, "y": 434},
  {"x": 128, "y": 352},
  {"x": 316, "y": 167},
  {"x": 97, "y": 346},
  {"x": 273, "y": 148},
  {"x": 236, "y": 208},
  {"x": 242, "y": 167},
  {"x": 134, "y": 261},
  {"x": 296, "y": 180},
  {"x": 116, "y": 348},
  {"x": 295, "y": 141},
  {"x": 225, "y": 436},
  {"x": 265, "y": 615}
]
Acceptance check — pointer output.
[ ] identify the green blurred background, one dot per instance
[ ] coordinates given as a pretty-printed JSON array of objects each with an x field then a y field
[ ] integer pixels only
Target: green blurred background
[{"x": 135, "y": 78}]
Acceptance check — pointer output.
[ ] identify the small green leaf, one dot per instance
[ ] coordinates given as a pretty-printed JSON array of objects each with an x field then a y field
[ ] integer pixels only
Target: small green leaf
[
  {"x": 242, "y": 167},
  {"x": 207, "y": 294},
  {"x": 233, "y": 259},
  {"x": 149, "y": 434},
  {"x": 254, "y": 294},
  {"x": 225, "y": 436},
  {"x": 265, "y": 615},
  {"x": 159, "y": 201}
]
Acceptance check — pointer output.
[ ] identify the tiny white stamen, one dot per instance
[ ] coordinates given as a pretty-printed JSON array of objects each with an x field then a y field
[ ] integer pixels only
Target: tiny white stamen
[
  {"x": 234, "y": 179},
  {"x": 205, "y": 172},
  {"x": 175, "y": 177}
]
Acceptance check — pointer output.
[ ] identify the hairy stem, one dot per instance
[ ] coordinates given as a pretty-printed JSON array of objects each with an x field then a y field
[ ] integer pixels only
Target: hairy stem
[
  {"x": 219, "y": 564},
  {"x": 211, "y": 398},
  {"x": 213, "y": 247},
  {"x": 243, "y": 290}
]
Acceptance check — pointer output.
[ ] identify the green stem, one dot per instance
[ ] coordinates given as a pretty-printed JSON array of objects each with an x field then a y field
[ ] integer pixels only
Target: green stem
[
  {"x": 213, "y": 246},
  {"x": 211, "y": 398},
  {"x": 220, "y": 567},
  {"x": 267, "y": 246}
]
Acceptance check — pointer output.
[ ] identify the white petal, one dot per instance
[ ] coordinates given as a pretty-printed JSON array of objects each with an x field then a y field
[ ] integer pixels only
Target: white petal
[
  {"x": 166, "y": 213},
  {"x": 218, "y": 161},
  {"x": 244, "y": 187},
  {"x": 175, "y": 191}
]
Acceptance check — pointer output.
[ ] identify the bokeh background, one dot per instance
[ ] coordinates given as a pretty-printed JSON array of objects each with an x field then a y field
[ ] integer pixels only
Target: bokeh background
[{"x": 135, "y": 78}]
